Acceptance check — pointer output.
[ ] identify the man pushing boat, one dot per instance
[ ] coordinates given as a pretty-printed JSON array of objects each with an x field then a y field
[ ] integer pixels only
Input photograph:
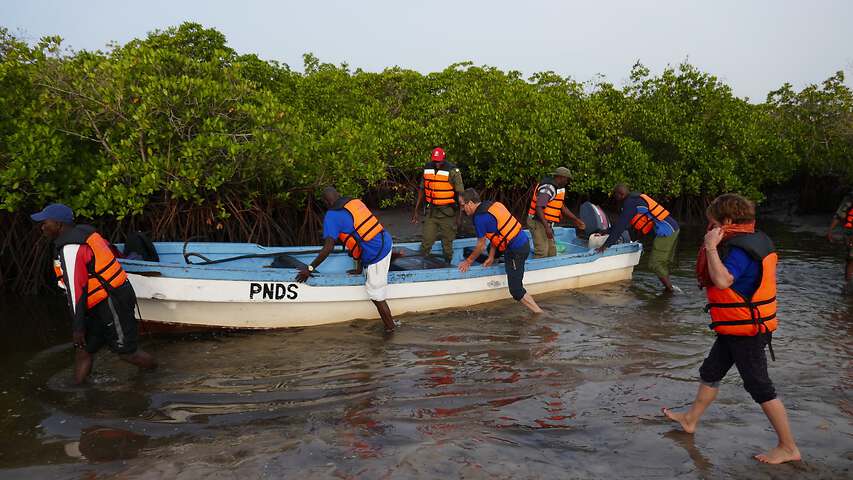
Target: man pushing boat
[{"x": 349, "y": 221}]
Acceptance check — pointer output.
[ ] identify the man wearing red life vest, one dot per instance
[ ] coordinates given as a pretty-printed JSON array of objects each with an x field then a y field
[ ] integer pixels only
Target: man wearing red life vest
[
  {"x": 351, "y": 223},
  {"x": 100, "y": 297},
  {"x": 440, "y": 185},
  {"x": 844, "y": 217},
  {"x": 547, "y": 208},
  {"x": 737, "y": 266}
]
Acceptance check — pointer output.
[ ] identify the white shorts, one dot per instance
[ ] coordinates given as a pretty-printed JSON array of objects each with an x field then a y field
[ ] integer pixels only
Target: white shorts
[{"x": 377, "y": 279}]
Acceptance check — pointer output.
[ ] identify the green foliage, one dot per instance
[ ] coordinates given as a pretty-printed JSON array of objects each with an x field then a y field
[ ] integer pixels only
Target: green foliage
[{"x": 180, "y": 116}]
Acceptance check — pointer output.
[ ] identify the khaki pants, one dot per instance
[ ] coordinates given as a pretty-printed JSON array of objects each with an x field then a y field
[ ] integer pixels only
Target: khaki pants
[
  {"x": 663, "y": 254},
  {"x": 435, "y": 228},
  {"x": 542, "y": 245}
]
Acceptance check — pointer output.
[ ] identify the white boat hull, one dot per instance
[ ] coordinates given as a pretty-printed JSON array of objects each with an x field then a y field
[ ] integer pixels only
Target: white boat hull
[{"x": 267, "y": 305}]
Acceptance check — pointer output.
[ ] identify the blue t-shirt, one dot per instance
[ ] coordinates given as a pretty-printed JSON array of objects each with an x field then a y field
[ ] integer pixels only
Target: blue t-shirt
[
  {"x": 745, "y": 270},
  {"x": 340, "y": 221},
  {"x": 485, "y": 223}
]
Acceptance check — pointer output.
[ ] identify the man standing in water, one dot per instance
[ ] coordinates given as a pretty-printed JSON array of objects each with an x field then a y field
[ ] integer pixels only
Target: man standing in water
[
  {"x": 99, "y": 295},
  {"x": 644, "y": 214},
  {"x": 844, "y": 216},
  {"x": 548, "y": 207},
  {"x": 737, "y": 266},
  {"x": 349, "y": 221},
  {"x": 493, "y": 222},
  {"x": 440, "y": 186}
]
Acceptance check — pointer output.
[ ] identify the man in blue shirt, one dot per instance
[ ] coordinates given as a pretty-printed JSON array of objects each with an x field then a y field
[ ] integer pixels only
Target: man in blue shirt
[
  {"x": 351, "y": 222},
  {"x": 646, "y": 216},
  {"x": 494, "y": 223}
]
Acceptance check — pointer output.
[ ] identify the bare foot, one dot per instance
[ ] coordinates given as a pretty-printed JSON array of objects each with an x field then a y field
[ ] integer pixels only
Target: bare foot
[
  {"x": 681, "y": 418},
  {"x": 779, "y": 455}
]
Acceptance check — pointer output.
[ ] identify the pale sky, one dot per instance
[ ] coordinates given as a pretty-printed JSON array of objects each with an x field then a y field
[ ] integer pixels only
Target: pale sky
[{"x": 753, "y": 46}]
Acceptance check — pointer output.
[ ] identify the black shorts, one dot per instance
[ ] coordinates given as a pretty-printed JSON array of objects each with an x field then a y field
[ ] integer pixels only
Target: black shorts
[
  {"x": 112, "y": 322},
  {"x": 747, "y": 354}
]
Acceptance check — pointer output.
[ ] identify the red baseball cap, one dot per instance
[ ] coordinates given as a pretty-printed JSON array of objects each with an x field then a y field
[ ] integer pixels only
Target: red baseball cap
[{"x": 437, "y": 154}]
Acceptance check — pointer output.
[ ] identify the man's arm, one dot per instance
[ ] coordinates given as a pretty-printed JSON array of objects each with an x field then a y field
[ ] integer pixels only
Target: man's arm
[
  {"x": 328, "y": 246},
  {"x": 74, "y": 261},
  {"x": 416, "y": 215},
  {"x": 720, "y": 275},
  {"x": 458, "y": 187},
  {"x": 478, "y": 249},
  {"x": 577, "y": 221},
  {"x": 619, "y": 226}
]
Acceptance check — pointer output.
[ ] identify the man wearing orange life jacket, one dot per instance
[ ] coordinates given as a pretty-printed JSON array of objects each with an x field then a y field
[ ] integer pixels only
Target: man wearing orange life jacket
[
  {"x": 100, "y": 297},
  {"x": 646, "y": 216},
  {"x": 496, "y": 226},
  {"x": 440, "y": 185},
  {"x": 351, "y": 223},
  {"x": 737, "y": 266},
  {"x": 844, "y": 217},
  {"x": 548, "y": 207}
]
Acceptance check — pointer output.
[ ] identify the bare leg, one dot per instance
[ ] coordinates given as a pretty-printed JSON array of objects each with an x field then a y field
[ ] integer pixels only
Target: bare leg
[
  {"x": 385, "y": 313},
  {"x": 140, "y": 359},
  {"x": 786, "y": 450},
  {"x": 704, "y": 397},
  {"x": 667, "y": 285},
  {"x": 527, "y": 301},
  {"x": 849, "y": 271},
  {"x": 82, "y": 365}
]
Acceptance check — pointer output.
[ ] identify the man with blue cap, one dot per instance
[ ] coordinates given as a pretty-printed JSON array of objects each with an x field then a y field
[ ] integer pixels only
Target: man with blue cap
[{"x": 99, "y": 295}]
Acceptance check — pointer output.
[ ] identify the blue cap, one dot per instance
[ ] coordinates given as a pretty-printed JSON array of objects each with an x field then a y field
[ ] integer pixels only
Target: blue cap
[{"x": 56, "y": 212}]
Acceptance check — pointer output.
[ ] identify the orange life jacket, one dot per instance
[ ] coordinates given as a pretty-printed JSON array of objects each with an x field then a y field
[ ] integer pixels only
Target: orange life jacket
[
  {"x": 848, "y": 223},
  {"x": 437, "y": 187},
  {"x": 365, "y": 225},
  {"x": 105, "y": 275},
  {"x": 508, "y": 226},
  {"x": 645, "y": 221},
  {"x": 554, "y": 209},
  {"x": 731, "y": 313}
]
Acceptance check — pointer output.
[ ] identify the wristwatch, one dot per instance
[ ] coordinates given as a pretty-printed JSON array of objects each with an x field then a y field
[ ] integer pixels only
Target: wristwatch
[{"x": 310, "y": 268}]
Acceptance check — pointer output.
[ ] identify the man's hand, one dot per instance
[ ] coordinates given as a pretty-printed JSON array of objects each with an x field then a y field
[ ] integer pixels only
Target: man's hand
[
  {"x": 579, "y": 224},
  {"x": 713, "y": 238},
  {"x": 600, "y": 249},
  {"x": 416, "y": 218},
  {"x": 549, "y": 232},
  {"x": 464, "y": 265},
  {"x": 830, "y": 236},
  {"x": 489, "y": 261},
  {"x": 303, "y": 275},
  {"x": 80, "y": 339}
]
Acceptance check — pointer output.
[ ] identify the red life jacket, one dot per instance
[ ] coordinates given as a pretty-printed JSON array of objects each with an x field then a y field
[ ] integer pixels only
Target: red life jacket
[
  {"x": 508, "y": 226},
  {"x": 106, "y": 274},
  {"x": 731, "y": 313},
  {"x": 437, "y": 186},
  {"x": 645, "y": 221},
  {"x": 365, "y": 225},
  {"x": 554, "y": 209},
  {"x": 848, "y": 223}
]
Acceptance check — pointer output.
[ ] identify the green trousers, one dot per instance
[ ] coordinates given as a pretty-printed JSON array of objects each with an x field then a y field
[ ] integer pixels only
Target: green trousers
[
  {"x": 663, "y": 254},
  {"x": 439, "y": 228},
  {"x": 542, "y": 245}
]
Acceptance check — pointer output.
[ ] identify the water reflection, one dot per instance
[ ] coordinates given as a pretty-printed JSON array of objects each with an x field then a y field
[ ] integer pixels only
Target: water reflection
[{"x": 487, "y": 391}]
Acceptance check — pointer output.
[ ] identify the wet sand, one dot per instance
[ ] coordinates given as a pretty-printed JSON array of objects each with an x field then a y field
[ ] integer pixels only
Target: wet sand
[{"x": 485, "y": 392}]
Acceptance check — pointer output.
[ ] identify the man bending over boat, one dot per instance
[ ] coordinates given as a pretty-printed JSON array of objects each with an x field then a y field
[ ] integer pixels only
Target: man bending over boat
[
  {"x": 99, "y": 294},
  {"x": 493, "y": 221},
  {"x": 349, "y": 221}
]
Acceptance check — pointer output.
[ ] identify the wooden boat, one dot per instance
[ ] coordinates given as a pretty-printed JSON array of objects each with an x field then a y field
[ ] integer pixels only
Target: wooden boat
[{"x": 248, "y": 286}]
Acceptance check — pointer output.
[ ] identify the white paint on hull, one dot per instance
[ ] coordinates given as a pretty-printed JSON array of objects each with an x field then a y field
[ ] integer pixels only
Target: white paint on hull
[{"x": 226, "y": 303}]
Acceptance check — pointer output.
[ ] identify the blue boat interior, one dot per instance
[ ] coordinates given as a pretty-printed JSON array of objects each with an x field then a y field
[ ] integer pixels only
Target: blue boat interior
[{"x": 248, "y": 261}]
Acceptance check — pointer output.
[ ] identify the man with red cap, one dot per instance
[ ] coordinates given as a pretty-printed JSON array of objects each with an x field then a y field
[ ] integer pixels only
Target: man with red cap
[{"x": 440, "y": 186}]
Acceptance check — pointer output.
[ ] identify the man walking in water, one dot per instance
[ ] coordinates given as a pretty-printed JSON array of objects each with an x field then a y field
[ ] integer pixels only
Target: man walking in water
[
  {"x": 737, "y": 266},
  {"x": 645, "y": 215},
  {"x": 349, "y": 221},
  {"x": 493, "y": 222},
  {"x": 844, "y": 216},
  {"x": 99, "y": 295}
]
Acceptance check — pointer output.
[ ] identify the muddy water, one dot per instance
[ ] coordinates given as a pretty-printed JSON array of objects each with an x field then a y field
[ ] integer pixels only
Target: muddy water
[{"x": 485, "y": 392}]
